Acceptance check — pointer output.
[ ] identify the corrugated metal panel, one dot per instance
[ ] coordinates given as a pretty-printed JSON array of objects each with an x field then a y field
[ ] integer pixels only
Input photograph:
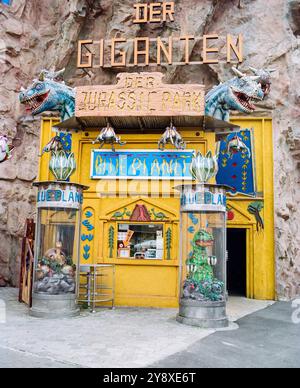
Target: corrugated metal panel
[{"x": 151, "y": 124}]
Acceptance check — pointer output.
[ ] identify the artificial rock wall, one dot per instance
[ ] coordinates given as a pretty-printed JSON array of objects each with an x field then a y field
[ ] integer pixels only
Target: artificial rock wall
[{"x": 36, "y": 35}]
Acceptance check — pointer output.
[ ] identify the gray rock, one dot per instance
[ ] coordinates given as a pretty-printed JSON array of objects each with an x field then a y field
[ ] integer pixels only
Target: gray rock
[{"x": 271, "y": 40}]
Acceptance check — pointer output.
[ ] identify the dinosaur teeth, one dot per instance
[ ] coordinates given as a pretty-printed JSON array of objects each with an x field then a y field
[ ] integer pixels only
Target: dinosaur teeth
[
  {"x": 245, "y": 102},
  {"x": 35, "y": 102}
]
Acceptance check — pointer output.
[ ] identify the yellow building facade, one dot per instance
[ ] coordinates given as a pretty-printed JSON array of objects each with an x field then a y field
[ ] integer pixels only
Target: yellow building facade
[{"x": 109, "y": 206}]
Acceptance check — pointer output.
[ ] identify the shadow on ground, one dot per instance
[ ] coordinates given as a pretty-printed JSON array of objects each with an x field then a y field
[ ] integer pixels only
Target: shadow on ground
[{"x": 265, "y": 339}]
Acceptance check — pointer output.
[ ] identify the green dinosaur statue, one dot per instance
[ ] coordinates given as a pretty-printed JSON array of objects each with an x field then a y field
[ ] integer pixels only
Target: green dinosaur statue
[
  {"x": 201, "y": 283},
  {"x": 201, "y": 270}
]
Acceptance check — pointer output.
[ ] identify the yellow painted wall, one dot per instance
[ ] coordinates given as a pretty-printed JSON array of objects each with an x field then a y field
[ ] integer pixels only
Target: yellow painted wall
[
  {"x": 157, "y": 283},
  {"x": 261, "y": 245}
]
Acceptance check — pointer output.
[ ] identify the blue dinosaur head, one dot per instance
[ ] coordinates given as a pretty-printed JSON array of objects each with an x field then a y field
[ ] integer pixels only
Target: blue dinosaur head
[
  {"x": 239, "y": 93},
  {"x": 264, "y": 78},
  {"x": 243, "y": 92},
  {"x": 48, "y": 94}
]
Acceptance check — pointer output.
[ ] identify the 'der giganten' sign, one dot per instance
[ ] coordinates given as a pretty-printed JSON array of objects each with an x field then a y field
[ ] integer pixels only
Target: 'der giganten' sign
[{"x": 145, "y": 51}]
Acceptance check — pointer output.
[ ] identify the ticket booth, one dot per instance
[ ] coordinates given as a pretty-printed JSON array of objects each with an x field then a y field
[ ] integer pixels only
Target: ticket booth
[{"x": 131, "y": 212}]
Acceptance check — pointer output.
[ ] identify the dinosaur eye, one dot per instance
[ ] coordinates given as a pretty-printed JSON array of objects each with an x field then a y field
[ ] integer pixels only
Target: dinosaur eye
[{"x": 39, "y": 86}]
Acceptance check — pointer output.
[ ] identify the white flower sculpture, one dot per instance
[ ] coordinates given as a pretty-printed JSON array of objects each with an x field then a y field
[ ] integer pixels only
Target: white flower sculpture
[
  {"x": 62, "y": 165},
  {"x": 203, "y": 168}
]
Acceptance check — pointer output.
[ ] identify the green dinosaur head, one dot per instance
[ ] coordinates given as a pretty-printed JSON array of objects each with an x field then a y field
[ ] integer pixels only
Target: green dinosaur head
[{"x": 203, "y": 239}]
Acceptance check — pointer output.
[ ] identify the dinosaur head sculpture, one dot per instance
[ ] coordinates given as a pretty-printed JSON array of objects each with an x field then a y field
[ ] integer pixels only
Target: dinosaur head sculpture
[
  {"x": 47, "y": 93},
  {"x": 203, "y": 239},
  {"x": 264, "y": 78},
  {"x": 239, "y": 93},
  {"x": 244, "y": 91}
]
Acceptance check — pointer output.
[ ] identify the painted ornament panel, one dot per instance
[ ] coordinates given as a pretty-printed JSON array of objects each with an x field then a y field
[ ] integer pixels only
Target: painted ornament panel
[{"x": 236, "y": 163}]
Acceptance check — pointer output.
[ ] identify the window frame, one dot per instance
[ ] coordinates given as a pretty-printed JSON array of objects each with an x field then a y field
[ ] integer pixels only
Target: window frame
[{"x": 132, "y": 259}]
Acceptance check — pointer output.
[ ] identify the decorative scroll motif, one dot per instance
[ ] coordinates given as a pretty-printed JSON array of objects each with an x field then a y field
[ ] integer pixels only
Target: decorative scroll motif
[
  {"x": 141, "y": 164},
  {"x": 111, "y": 241},
  {"x": 236, "y": 168},
  {"x": 87, "y": 235},
  {"x": 169, "y": 237},
  {"x": 255, "y": 209}
]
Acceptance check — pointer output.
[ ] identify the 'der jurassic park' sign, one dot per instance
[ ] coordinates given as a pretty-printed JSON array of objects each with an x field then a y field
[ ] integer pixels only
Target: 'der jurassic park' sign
[{"x": 140, "y": 95}]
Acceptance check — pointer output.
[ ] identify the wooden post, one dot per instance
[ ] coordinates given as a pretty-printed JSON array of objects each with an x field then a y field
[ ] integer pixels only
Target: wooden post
[{"x": 27, "y": 263}]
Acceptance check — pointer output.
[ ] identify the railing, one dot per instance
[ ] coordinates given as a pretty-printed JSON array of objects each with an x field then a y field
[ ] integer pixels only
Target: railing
[{"x": 96, "y": 286}]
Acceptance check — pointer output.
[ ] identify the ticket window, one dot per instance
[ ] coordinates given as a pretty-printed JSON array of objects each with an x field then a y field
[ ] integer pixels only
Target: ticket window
[{"x": 141, "y": 241}]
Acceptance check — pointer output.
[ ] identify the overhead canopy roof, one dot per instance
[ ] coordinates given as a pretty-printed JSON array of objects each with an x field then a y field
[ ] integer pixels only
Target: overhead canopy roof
[{"x": 147, "y": 124}]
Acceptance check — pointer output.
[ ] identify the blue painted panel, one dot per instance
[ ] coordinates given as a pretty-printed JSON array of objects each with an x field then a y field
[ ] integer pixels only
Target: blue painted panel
[
  {"x": 237, "y": 170},
  {"x": 141, "y": 164},
  {"x": 6, "y": 2},
  {"x": 66, "y": 139}
]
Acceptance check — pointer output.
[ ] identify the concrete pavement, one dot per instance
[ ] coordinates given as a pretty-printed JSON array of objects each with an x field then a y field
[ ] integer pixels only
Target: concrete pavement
[
  {"x": 132, "y": 337},
  {"x": 265, "y": 339}
]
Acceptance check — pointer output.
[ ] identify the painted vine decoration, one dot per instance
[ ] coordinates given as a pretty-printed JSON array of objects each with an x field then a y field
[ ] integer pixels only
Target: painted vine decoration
[
  {"x": 111, "y": 241},
  {"x": 169, "y": 236}
]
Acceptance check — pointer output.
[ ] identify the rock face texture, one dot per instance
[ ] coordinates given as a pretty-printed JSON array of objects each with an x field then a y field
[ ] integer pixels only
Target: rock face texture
[{"x": 34, "y": 35}]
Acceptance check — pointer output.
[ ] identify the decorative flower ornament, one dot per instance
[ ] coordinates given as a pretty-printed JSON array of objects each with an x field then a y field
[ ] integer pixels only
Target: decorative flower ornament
[
  {"x": 62, "y": 165},
  {"x": 5, "y": 149},
  {"x": 203, "y": 168}
]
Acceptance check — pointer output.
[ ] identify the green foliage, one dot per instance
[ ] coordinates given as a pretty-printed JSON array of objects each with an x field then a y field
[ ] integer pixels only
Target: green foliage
[
  {"x": 111, "y": 241},
  {"x": 169, "y": 243},
  {"x": 55, "y": 266}
]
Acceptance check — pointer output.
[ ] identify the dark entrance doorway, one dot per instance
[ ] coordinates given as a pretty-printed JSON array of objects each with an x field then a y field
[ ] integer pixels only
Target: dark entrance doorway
[{"x": 237, "y": 262}]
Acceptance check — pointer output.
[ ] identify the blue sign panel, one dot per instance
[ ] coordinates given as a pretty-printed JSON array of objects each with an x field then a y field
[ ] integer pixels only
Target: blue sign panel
[
  {"x": 141, "y": 164},
  {"x": 7, "y": 2},
  {"x": 236, "y": 163}
]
